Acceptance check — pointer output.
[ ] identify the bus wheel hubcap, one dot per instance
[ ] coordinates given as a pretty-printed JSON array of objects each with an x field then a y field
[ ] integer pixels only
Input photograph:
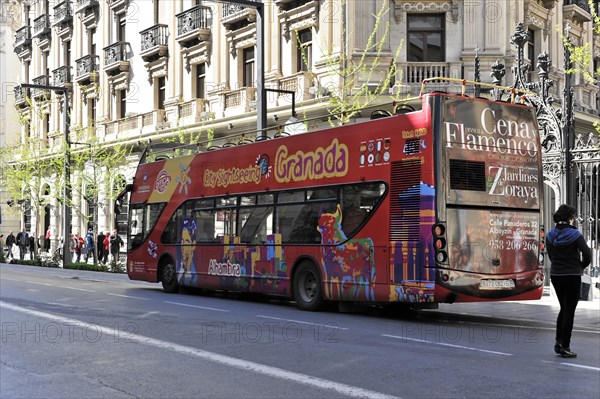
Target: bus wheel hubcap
[{"x": 310, "y": 286}]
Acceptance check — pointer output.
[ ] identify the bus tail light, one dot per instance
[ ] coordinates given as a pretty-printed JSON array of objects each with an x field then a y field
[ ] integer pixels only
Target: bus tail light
[{"x": 440, "y": 243}]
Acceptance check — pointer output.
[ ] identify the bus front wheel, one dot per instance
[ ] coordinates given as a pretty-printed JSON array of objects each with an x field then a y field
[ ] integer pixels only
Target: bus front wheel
[
  {"x": 308, "y": 290},
  {"x": 169, "y": 279}
]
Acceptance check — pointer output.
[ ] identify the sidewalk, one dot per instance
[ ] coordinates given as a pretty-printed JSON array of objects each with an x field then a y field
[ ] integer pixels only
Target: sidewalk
[{"x": 544, "y": 310}]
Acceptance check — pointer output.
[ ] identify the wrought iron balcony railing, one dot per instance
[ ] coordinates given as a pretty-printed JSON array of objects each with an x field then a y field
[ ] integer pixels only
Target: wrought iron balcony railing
[
  {"x": 579, "y": 10},
  {"x": 583, "y": 4},
  {"x": 116, "y": 58},
  {"x": 154, "y": 41},
  {"x": 63, "y": 13},
  {"x": 234, "y": 13},
  {"x": 115, "y": 52},
  {"x": 43, "y": 80},
  {"x": 41, "y": 26},
  {"x": 86, "y": 67},
  {"x": 22, "y": 39},
  {"x": 62, "y": 75},
  {"x": 21, "y": 94},
  {"x": 84, "y": 5},
  {"x": 194, "y": 24}
]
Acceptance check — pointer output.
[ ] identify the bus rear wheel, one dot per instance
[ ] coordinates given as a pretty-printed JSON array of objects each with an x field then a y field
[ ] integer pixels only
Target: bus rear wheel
[
  {"x": 169, "y": 279},
  {"x": 307, "y": 287}
]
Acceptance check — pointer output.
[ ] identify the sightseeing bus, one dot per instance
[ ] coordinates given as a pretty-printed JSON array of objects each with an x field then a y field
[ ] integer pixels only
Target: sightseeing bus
[{"x": 437, "y": 205}]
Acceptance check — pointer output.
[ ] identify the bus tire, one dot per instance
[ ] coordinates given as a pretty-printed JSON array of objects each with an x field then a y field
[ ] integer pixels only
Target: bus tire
[
  {"x": 169, "y": 279},
  {"x": 307, "y": 287}
]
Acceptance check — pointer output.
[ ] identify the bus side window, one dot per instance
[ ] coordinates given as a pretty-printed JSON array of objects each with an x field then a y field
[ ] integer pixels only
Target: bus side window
[{"x": 206, "y": 225}]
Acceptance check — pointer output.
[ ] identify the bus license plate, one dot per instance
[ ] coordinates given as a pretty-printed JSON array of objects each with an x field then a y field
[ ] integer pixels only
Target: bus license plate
[{"x": 496, "y": 284}]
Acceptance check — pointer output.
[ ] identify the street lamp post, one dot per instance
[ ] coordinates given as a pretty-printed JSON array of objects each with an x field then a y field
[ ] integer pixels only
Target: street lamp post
[{"x": 67, "y": 163}]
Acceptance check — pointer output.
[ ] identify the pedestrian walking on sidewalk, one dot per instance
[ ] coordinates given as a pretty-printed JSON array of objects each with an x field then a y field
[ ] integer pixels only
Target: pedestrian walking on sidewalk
[
  {"x": 89, "y": 244},
  {"x": 23, "y": 243},
  {"x": 115, "y": 245},
  {"x": 566, "y": 248},
  {"x": 10, "y": 241},
  {"x": 100, "y": 241}
]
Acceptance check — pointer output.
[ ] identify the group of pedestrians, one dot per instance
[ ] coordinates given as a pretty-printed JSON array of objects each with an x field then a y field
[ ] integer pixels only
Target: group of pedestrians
[
  {"x": 23, "y": 241},
  {"x": 109, "y": 244}
]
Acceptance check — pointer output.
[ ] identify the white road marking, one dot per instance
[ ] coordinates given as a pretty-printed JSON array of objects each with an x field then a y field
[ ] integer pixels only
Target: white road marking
[
  {"x": 73, "y": 288},
  {"x": 35, "y": 282},
  {"x": 147, "y": 314},
  {"x": 312, "y": 323},
  {"x": 9, "y": 279},
  {"x": 245, "y": 365},
  {"x": 127, "y": 296},
  {"x": 515, "y": 326},
  {"x": 581, "y": 366},
  {"x": 196, "y": 306},
  {"x": 450, "y": 345}
]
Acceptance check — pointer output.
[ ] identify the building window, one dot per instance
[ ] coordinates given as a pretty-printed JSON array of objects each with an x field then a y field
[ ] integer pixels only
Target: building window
[
  {"x": 67, "y": 53},
  {"x": 200, "y": 80},
  {"x": 248, "y": 78},
  {"x": 92, "y": 41},
  {"x": 46, "y": 131},
  {"x": 91, "y": 112},
  {"x": 426, "y": 39},
  {"x": 304, "y": 51},
  {"x": 121, "y": 29},
  {"x": 160, "y": 93},
  {"x": 121, "y": 103}
]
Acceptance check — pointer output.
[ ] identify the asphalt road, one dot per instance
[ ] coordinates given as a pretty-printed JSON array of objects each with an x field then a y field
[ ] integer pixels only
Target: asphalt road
[{"x": 69, "y": 334}]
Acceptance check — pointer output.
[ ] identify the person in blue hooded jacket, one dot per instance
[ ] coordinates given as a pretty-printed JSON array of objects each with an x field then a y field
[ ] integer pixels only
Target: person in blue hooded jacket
[{"x": 569, "y": 256}]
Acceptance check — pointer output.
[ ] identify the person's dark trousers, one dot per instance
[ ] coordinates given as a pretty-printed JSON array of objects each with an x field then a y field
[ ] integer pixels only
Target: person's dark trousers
[
  {"x": 567, "y": 290},
  {"x": 22, "y": 251}
]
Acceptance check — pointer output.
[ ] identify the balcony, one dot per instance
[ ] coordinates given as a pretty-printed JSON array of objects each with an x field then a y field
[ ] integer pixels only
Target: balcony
[
  {"x": 116, "y": 58},
  {"x": 235, "y": 16},
  {"x": 285, "y": 5},
  {"x": 118, "y": 6},
  {"x": 22, "y": 40},
  {"x": 88, "y": 12},
  {"x": 63, "y": 14},
  {"x": 193, "y": 26},
  {"x": 43, "y": 80},
  {"x": 21, "y": 94},
  {"x": 577, "y": 10},
  {"x": 84, "y": 6},
  {"x": 192, "y": 111},
  {"x": 413, "y": 73},
  {"x": 41, "y": 26},
  {"x": 155, "y": 42},
  {"x": 299, "y": 84},
  {"x": 87, "y": 69},
  {"x": 62, "y": 76},
  {"x": 240, "y": 100}
]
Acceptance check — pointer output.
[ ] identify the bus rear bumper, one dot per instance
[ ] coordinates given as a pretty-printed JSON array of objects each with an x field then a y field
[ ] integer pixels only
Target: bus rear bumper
[{"x": 458, "y": 286}]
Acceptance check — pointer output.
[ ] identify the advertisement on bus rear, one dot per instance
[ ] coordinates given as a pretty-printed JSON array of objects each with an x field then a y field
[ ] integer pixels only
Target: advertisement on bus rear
[
  {"x": 492, "y": 154},
  {"x": 492, "y": 242}
]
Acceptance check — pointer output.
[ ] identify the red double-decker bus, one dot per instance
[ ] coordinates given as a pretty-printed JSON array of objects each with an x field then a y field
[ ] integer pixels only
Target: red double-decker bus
[{"x": 442, "y": 204}]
